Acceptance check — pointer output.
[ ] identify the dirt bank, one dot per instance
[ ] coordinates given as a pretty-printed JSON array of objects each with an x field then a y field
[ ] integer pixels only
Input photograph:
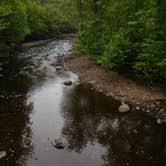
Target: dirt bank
[{"x": 151, "y": 101}]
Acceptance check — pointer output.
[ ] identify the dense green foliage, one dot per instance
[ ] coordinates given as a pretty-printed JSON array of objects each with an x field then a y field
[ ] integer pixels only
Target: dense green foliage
[
  {"x": 13, "y": 24},
  {"x": 125, "y": 35},
  {"x": 20, "y": 19}
]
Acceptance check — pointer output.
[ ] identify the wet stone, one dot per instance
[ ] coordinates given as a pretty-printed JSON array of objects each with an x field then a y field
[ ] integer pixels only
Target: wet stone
[
  {"x": 124, "y": 108},
  {"x": 68, "y": 83},
  {"x": 57, "y": 143},
  {"x": 162, "y": 110},
  {"x": 58, "y": 68},
  {"x": 159, "y": 121},
  {"x": 2, "y": 154},
  {"x": 92, "y": 82}
]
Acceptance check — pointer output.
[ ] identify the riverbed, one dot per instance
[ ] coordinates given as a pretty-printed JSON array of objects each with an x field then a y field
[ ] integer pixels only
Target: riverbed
[{"x": 36, "y": 108}]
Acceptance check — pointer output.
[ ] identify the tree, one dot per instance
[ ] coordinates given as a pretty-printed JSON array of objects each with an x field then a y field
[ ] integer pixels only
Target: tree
[{"x": 122, "y": 35}]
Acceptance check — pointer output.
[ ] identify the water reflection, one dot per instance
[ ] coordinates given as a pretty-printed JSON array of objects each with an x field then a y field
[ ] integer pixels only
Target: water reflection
[
  {"x": 19, "y": 75},
  {"x": 91, "y": 118},
  {"x": 15, "y": 131}
]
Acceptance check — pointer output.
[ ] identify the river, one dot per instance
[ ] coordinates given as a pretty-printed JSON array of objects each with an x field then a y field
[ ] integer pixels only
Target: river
[{"x": 36, "y": 108}]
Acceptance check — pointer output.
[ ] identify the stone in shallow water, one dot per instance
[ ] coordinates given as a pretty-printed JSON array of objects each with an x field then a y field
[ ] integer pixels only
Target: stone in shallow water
[
  {"x": 124, "y": 108},
  {"x": 57, "y": 143},
  {"x": 2, "y": 154},
  {"x": 161, "y": 121},
  {"x": 68, "y": 83},
  {"x": 58, "y": 68}
]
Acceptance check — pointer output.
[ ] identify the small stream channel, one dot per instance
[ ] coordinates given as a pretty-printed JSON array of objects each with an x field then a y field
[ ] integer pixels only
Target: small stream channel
[{"x": 36, "y": 108}]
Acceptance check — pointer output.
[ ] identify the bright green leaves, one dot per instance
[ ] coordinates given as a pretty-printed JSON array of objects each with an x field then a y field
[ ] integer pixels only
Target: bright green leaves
[
  {"x": 20, "y": 19},
  {"x": 35, "y": 14},
  {"x": 116, "y": 53},
  {"x": 13, "y": 22},
  {"x": 151, "y": 62},
  {"x": 126, "y": 35},
  {"x": 5, "y": 12},
  {"x": 18, "y": 28}
]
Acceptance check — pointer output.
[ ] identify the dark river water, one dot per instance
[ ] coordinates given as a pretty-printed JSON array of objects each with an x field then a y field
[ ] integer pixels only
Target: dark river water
[{"x": 36, "y": 108}]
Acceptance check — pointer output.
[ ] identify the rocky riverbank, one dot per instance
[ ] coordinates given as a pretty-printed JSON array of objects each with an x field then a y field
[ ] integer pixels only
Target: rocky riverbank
[{"x": 149, "y": 100}]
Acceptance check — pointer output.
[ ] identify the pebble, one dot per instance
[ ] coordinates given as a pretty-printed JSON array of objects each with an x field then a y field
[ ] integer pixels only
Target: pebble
[
  {"x": 2, "y": 154},
  {"x": 124, "y": 108},
  {"x": 162, "y": 110},
  {"x": 92, "y": 82},
  {"x": 159, "y": 121},
  {"x": 58, "y": 68},
  {"x": 68, "y": 83},
  {"x": 135, "y": 131},
  {"x": 57, "y": 143},
  {"x": 100, "y": 91}
]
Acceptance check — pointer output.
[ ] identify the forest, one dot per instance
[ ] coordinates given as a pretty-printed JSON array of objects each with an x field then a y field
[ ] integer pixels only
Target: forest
[
  {"x": 122, "y": 35},
  {"x": 83, "y": 82},
  {"x": 126, "y": 36},
  {"x": 34, "y": 19}
]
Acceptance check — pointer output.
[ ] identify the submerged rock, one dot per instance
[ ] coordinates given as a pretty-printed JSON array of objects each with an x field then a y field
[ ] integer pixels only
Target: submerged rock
[
  {"x": 2, "y": 154},
  {"x": 68, "y": 83},
  {"x": 92, "y": 82},
  {"x": 58, "y": 68},
  {"x": 57, "y": 143},
  {"x": 124, "y": 108},
  {"x": 161, "y": 121},
  {"x": 115, "y": 124}
]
